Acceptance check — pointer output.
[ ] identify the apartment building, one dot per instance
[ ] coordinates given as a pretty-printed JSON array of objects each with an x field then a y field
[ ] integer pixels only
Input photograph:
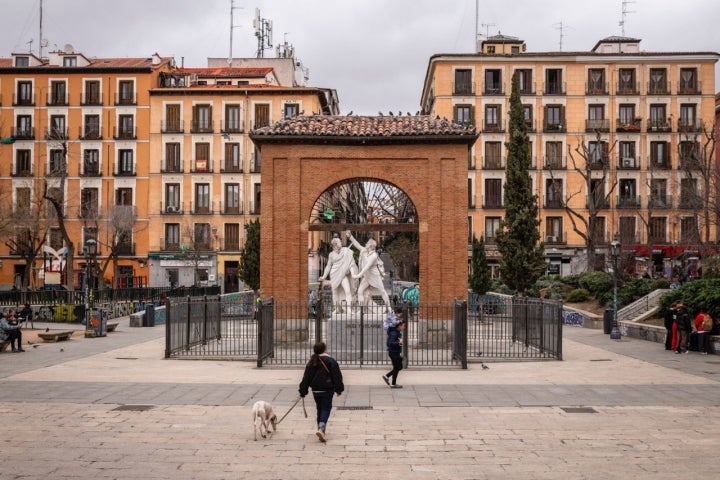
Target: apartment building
[
  {"x": 204, "y": 169},
  {"x": 77, "y": 127},
  {"x": 616, "y": 134}
]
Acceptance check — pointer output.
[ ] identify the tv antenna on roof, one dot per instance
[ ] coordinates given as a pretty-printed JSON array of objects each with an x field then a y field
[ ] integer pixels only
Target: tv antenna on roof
[
  {"x": 561, "y": 26},
  {"x": 625, "y": 12}
]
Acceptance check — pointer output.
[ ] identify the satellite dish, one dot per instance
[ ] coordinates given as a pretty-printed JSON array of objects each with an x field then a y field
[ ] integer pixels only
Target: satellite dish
[
  {"x": 44, "y": 42},
  {"x": 68, "y": 48}
]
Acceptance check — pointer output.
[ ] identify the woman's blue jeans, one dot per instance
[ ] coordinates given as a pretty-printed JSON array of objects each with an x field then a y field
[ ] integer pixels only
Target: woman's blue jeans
[{"x": 323, "y": 403}]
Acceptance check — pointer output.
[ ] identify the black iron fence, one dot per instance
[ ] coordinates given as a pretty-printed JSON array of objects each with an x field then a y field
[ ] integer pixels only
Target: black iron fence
[{"x": 436, "y": 335}]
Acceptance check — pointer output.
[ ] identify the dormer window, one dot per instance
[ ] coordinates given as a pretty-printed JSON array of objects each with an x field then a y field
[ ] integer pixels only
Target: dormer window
[
  {"x": 69, "y": 61},
  {"x": 22, "y": 61}
]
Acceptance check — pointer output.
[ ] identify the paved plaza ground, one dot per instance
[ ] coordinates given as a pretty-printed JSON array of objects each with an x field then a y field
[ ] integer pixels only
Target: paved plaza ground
[{"x": 112, "y": 407}]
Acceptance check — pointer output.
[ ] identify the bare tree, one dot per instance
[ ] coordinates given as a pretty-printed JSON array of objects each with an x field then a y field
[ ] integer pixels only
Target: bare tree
[
  {"x": 593, "y": 165},
  {"x": 120, "y": 224}
]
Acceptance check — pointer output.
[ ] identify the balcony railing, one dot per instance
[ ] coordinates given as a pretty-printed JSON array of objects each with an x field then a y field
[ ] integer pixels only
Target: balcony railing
[
  {"x": 549, "y": 127},
  {"x": 597, "y": 125},
  {"x": 660, "y": 201},
  {"x": 171, "y": 208},
  {"x": 627, "y": 88},
  {"x": 599, "y": 202},
  {"x": 231, "y": 166},
  {"x": 555, "y": 163},
  {"x": 493, "y": 89},
  {"x": 202, "y": 208},
  {"x": 201, "y": 166},
  {"x": 175, "y": 126},
  {"x": 91, "y": 171},
  {"x": 689, "y": 125},
  {"x": 125, "y": 171},
  {"x": 554, "y": 239},
  {"x": 596, "y": 88},
  {"x": 172, "y": 166},
  {"x": 89, "y": 133},
  {"x": 91, "y": 100},
  {"x": 126, "y": 99},
  {"x": 554, "y": 88},
  {"x": 601, "y": 163},
  {"x": 465, "y": 88},
  {"x": 232, "y": 127},
  {"x": 57, "y": 100},
  {"x": 226, "y": 209},
  {"x": 628, "y": 163},
  {"x": 660, "y": 163},
  {"x": 22, "y": 172},
  {"x": 170, "y": 245},
  {"x": 125, "y": 133},
  {"x": 23, "y": 133},
  {"x": 492, "y": 201},
  {"x": 23, "y": 101},
  {"x": 54, "y": 133},
  {"x": 554, "y": 202},
  {"x": 201, "y": 127},
  {"x": 493, "y": 127},
  {"x": 690, "y": 202},
  {"x": 658, "y": 88},
  {"x": 659, "y": 125},
  {"x": 690, "y": 88},
  {"x": 628, "y": 201},
  {"x": 493, "y": 163},
  {"x": 255, "y": 208},
  {"x": 633, "y": 126}
]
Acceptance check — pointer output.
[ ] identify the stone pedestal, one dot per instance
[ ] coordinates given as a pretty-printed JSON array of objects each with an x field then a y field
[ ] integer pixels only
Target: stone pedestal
[{"x": 356, "y": 335}]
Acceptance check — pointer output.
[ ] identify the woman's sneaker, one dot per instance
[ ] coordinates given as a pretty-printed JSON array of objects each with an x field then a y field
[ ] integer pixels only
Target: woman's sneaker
[
  {"x": 395, "y": 386},
  {"x": 386, "y": 379}
]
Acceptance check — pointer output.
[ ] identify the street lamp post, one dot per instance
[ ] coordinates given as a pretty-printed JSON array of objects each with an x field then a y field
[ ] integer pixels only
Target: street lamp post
[
  {"x": 90, "y": 252},
  {"x": 615, "y": 252}
]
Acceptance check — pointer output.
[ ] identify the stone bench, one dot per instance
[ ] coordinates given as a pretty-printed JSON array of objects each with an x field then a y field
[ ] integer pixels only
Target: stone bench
[
  {"x": 110, "y": 327},
  {"x": 55, "y": 336}
]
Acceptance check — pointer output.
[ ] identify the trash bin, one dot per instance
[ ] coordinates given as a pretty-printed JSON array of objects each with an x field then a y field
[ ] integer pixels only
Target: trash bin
[
  {"x": 608, "y": 320},
  {"x": 98, "y": 322},
  {"x": 149, "y": 320},
  {"x": 79, "y": 312}
]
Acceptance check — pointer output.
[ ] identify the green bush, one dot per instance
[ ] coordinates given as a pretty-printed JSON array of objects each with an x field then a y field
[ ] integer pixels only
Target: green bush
[
  {"x": 701, "y": 294},
  {"x": 578, "y": 295},
  {"x": 599, "y": 284}
]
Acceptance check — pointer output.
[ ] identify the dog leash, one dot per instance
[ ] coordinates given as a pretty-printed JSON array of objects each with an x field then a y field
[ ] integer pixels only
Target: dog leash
[{"x": 293, "y": 406}]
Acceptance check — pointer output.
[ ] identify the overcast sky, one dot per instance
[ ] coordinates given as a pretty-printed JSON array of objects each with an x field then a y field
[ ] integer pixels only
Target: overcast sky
[{"x": 373, "y": 52}]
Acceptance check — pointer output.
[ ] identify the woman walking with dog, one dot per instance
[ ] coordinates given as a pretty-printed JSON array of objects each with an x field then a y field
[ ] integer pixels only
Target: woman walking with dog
[{"x": 323, "y": 375}]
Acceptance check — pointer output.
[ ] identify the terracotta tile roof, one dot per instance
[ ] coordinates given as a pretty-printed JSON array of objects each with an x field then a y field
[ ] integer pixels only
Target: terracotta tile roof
[
  {"x": 227, "y": 72},
  {"x": 385, "y": 126}
]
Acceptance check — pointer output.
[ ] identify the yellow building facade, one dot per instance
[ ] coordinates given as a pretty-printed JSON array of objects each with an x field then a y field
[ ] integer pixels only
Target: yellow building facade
[{"x": 616, "y": 135}]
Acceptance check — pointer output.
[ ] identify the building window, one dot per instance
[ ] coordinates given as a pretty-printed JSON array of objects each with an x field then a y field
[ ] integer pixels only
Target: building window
[
  {"x": 553, "y": 229},
  {"x": 463, "y": 82},
  {"x": 658, "y": 193},
  {"x": 553, "y": 193},
  {"x": 56, "y": 238},
  {"x": 172, "y": 197},
  {"x": 232, "y": 119},
  {"x": 627, "y": 230},
  {"x": 493, "y": 193},
  {"x": 201, "y": 236},
  {"x": 658, "y": 84},
  {"x": 596, "y": 118},
  {"x": 22, "y": 201},
  {"x": 627, "y": 155},
  {"x": 597, "y": 194},
  {"x": 658, "y": 229},
  {"x": 126, "y": 92},
  {"x": 659, "y": 155},
  {"x": 688, "y": 116},
  {"x": 202, "y": 157},
  {"x": 492, "y": 118},
  {"x": 688, "y": 151},
  {"x": 59, "y": 197},
  {"x": 626, "y": 114},
  {"x": 173, "y": 163},
  {"x": 528, "y": 116},
  {"x": 172, "y": 236},
  {"x": 202, "y": 118},
  {"x": 596, "y": 82},
  {"x": 202, "y": 198},
  {"x": 627, "y": 197},
  {"x": 24, "y": 128},
  {"x": 689, "y": 197},
  {"x": 554, "y": 118},
  {"x": 91, "y": 127},
  {"x": 493, "y": 156},
  {"x": 69, "y": 61},
  {"x": 492, "y": 227},
  {"x": 463, "y": 114},
  {"x": 262, "y": 115},
  {"x": 689, "y": 232},
  {"x": 25, "y": 93},
  {"x": 232, "y": 198},
  {"x": 626, "y": 82},
  {"x": 525, "y": 81},
  {"x": 91, "y": 162},
  {"x": 291, "y": 110},
  {"x": 58, "y": 93},
  {"x": 658, "y": 118},
  {"x": 688, "y": 81},
  {"x": 493, "y": 82},
  {"x": 93, "y": 95},
  {"x": 598, "y": 153},
  {"x": 554, "y": 155},
  {"x": 23, "y": 163},
  {"x": 126, "y": 126},
  {"x": 232, "y": 236},
  {"x": 173, "y": 123},
  {"x": 126, "y": 163},
  {"x": 57, "y": 162},
  {"x": 124, "y": 196},
  {"x": 554, "y": 81},
  {"x": 22, "y": 61},
  {"x": 57, "y": 128},
  {"x": 89, "y": 203},
  {"x": 232, "y": 158}
]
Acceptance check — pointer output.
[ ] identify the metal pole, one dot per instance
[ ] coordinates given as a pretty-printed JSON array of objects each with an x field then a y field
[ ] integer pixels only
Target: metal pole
[{"x": 615, "y": 332}]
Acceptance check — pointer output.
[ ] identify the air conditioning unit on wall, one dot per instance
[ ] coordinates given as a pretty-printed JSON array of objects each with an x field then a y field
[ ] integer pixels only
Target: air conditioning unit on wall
[
  {"x": 171, "y": 209},
  {"x": 628, "y": 162}
]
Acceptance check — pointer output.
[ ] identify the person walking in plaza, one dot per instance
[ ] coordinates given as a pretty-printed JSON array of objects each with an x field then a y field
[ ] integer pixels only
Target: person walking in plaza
[
  {"x": 669, "y": 321},
  {"x": 682, "y": 319},
  {"x": 394, "y": 347},
  {"x": 323, "y": 375}
]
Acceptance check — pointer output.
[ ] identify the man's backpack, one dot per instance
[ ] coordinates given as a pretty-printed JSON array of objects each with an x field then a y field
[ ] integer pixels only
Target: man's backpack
[{"x": 707, "y": 323}]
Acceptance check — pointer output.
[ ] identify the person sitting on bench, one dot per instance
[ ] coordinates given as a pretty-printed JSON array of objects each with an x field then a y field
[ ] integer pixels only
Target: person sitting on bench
[{"x": 14, "y": 333}]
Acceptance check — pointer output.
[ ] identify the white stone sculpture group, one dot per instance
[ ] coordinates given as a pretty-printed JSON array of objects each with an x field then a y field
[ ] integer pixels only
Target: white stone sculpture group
[{"x": 341, "y": 269}]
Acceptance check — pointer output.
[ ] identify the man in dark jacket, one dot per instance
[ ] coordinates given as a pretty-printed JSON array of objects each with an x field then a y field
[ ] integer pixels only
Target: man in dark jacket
[
  {"x": 669, "y": 320},
  {"x": 323, "y": 375},
  {"x": 682, "y": 319}
]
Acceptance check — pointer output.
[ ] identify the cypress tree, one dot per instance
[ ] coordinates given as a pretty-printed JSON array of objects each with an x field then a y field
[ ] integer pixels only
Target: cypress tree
[
  {"x": 479, "y": 280},
  {"x": 519, "y": 236},
  {"x": 249, "y": 270}
]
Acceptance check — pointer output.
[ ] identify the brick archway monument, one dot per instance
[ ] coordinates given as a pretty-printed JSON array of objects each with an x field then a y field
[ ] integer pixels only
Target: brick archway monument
[{"x": 427, "y": 158}]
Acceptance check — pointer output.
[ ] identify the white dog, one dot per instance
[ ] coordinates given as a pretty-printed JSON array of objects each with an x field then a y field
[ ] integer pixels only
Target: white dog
[{"x": 263, "y": 418}]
